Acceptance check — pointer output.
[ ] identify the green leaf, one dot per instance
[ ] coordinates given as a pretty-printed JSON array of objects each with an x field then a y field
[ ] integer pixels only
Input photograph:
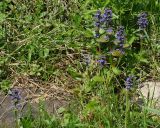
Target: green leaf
[
  {"x": 116, "y": 71},
  {"x": 126, "y": 45},
  {"x": 66, "y": 119},
  {"x": 131, "y": 40},
  {"x": 5, "y": 85},
  {"x": 61, "y": 110},
  {"x": 102, "y": 39},
  {"x": 74, "y": 73},
  {"x": 117, "y": 53},
  {"x": 88, "y": 33},
  {"x": 98, "y": 79},
  {"x": 41, "y": 53},
  {"x": 152, "y": 110},
  {"x": 2, "y": 17},
  {"x": 91, "y": 105},
  {"x": 30, "y": 51},
  {"x": 102, "y": 31},
  {"x": 141, "y": 57},
  {"x": 144, "y": 60},
  {"x": 46, "y": 52},
  {"x": 106, "y": 3}
]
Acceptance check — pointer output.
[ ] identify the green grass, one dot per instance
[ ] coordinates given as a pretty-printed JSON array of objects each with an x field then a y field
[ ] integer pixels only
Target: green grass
[{"x": 46, "y": 40}]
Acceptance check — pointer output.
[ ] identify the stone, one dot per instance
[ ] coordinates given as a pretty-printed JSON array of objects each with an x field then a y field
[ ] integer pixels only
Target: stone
[
  {"x": 150, "y": 91},
  {"x": 50, "y": 102}
]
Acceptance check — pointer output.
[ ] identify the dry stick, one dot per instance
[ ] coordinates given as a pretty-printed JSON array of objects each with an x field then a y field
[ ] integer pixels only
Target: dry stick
[{"x": 35, "y": 84}]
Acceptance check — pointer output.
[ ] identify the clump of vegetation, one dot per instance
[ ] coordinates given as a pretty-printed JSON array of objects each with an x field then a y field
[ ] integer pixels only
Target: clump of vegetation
[{"x": 98, "y": 50}]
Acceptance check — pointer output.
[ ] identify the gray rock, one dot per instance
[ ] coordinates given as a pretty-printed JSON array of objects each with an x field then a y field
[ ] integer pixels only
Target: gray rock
[
  {"x": 32, "y": 104},
  {"x": 150, "y": 91}
]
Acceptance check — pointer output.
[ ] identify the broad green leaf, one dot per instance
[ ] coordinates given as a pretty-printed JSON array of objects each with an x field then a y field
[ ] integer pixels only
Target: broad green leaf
[
  {"x": 117, "y": 53},
  {"x": 152, "y": 110},
  {"x": 106, "y": 3},
  {"x": 144, "y": 60},
  {"x": 91, "y": 105},
  {"x": 88, "y": 33},
  {"x": 116, "y": 70},
  {"x": 2, "y": 17},
  {"x": 66, "y": 119},
  {"x": 87, "y": 88},
  {"x": 141, "y": 57},
  {"x": 5, "y": 85},
  {"x": 101, "y": 31},
  {"x": 126, "y": 45},
  {"x": 46, "y": 52},
  {"x": 61, "y": 110},
  {"x": 98, "y": 79},
  {"x": 102, "y": 39},
  {"x": 74, "y": 73},
  {"x": 131, "y": 40}
]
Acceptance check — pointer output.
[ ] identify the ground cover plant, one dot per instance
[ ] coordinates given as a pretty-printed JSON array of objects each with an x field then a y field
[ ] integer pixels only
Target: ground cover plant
[{"x": 99, "y": 50}]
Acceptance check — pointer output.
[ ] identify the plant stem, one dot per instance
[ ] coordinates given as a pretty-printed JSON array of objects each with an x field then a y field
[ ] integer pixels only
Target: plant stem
[{"x": 127, "y": 110}]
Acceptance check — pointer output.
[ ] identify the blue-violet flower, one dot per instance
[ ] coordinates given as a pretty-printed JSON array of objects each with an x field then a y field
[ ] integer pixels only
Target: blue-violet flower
[
  {"x": 120, "y": 35},
  {"x": 102, "y": 61},
  {"x": 15, "y": 96},
  {"x": 129, "y": 83},
  {"x": 142, "y": 20},
  {"x": 107, "y": 16}
]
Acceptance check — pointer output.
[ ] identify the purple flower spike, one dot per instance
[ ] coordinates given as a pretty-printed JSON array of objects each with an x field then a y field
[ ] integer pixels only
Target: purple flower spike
[
  {"x": 97, "y": 35},
  {"x": 129, "y": 83},
  {"x": 87, "y": 59},
  {"x": 98, "y": 15},
  {"x": 15, "y": 97},
  {"x": 97, "y": 23},
  {"x": 102, "y": 61},
  {"x": 15, "y": 94},
  {"x": 109, "y": 31},
  {"x": 142, "y": 20},
  {"x": 120, "y": 35},
  {"x": 107, "y": 16}
]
